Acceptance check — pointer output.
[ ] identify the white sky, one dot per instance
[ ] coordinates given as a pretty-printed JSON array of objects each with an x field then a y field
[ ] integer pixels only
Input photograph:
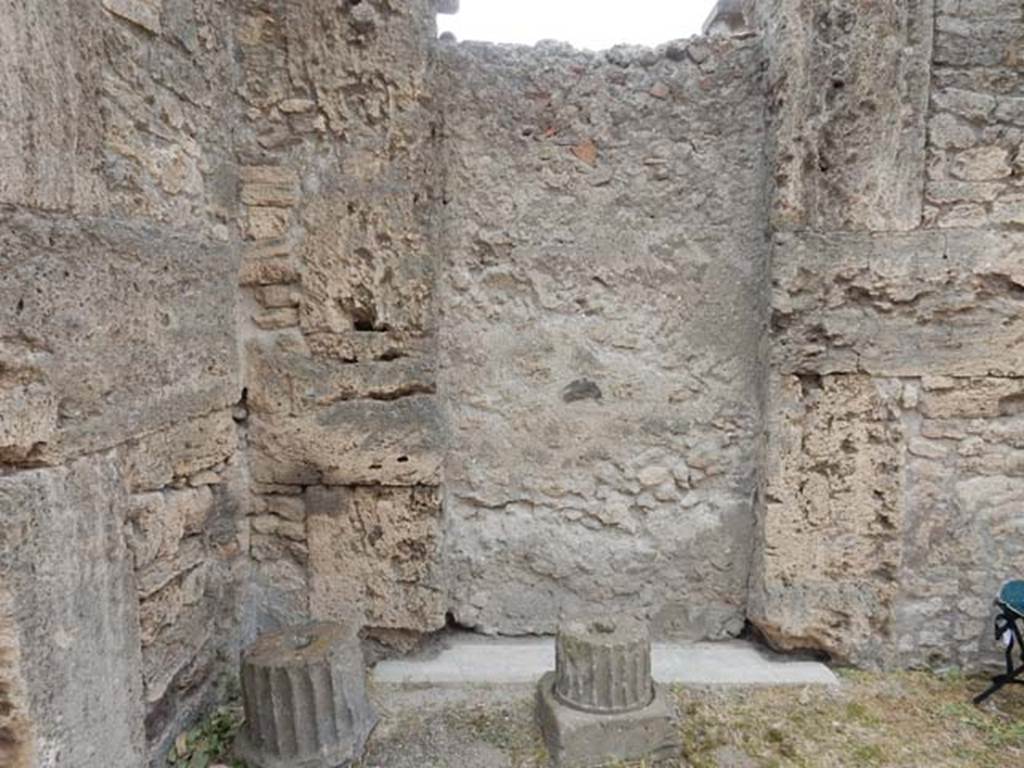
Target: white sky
[{"x": 594, "y": 24}]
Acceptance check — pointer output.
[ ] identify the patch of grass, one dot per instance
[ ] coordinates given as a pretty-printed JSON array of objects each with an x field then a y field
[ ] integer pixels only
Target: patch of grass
[
  {"x": 208, "y": 742},
  {"x": 895, "y": 720},
  {"x": 871, "y": 720},
  {"x": 508, "y": 728}
]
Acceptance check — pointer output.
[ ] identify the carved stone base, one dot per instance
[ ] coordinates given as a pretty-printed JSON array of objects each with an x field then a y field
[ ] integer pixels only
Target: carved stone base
[
  {"x": 600, "y": 706},
  {"x": 604, "y": 666},
  {"x": 577, "y": 739},
  {"x": 304, "y": 691}
]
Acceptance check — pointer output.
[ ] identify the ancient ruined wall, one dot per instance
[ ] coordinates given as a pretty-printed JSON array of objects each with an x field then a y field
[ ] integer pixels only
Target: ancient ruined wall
[
  {"x": 119, "y": 470},
  {"x": 600, "y": 308},
  {"x": 302, "y": 314},
  {"x": 893, "y": 475},
  {"x": 338, "y": 176}
]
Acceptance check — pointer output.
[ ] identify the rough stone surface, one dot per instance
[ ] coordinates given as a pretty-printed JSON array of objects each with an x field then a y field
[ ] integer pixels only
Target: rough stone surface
[
  {"x": 832, "y": 515},
  {"x": 122, "y": 480},
  {"x": 847, "y": 101},
  {"x": 93, "y": 338},
  {"x": 304, "y": 691},
  {"x": 885, "y": 304},
  {"x": 599, "y": 353},
  {"x": 895, "y": 358},
  {"x": 69, "y": 592},
  {"x": 375, "y": 556},
  {"x": 302, "y": 311}
]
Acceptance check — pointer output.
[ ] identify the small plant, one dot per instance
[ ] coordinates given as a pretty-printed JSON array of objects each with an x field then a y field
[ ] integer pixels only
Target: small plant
[{"x": 209, "y": 742}]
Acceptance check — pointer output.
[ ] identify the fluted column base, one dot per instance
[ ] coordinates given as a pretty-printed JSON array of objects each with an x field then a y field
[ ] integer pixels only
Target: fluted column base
[
  {"x": 604, "y": 665},
  {"x": 304, "y": 691},
  {"x": 600, "y": 705}
]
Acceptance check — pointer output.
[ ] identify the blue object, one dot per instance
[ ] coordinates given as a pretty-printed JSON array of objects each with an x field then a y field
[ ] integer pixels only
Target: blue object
[
  {"x": 1012, "y": 596},
  {"x": 1010, "y": 603}
]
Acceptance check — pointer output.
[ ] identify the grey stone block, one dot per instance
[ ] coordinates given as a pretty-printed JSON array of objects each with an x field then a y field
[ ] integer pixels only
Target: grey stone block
[{"x": 577, "y": 739}]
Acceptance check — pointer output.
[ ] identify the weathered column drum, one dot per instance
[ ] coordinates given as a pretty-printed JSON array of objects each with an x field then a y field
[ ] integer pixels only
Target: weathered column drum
[
  {"x": 601, "y": 705},
  {"x": 604, "y": 666},
  {"x": 304, "y": 691}
]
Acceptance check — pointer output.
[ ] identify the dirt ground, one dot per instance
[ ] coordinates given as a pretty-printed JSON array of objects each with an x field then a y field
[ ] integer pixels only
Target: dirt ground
[{"x": 902, "y": 720}]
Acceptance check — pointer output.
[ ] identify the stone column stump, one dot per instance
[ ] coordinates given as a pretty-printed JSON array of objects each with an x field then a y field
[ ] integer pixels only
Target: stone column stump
[
  {"x": 601, "y": 705},
  {"x": 304, "y": 691}
]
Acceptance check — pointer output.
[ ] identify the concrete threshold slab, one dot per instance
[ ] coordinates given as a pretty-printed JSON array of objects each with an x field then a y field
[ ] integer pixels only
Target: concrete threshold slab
[{"x": 474, "y": 660}]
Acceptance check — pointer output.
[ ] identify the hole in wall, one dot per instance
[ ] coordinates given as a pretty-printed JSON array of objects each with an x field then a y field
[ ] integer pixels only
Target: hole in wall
[{"x": 581, "y": 23}]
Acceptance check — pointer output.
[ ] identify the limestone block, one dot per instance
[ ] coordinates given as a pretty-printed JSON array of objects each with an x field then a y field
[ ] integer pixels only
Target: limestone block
[
  {"x": 387, "y": 115},
  {"x": 266, "y": 222},
  {"x": 51, "y": 134},
  {"x": 266, "y": 185},
  {"x": 122, "y": 358},
  {"x": 286, "y": 378},
  {"x": 304, "y": 690},
  {"x": 267, "y": 264},
  {"x": 279, "y": 296},
  {"x": 365, "y": 266},
  {"x": 375, "y": 556},
  {"x": 28, "y": 422},
  {"x": 352, "y": 442},
  {"x": 982, "y": 163},
  {"x": 176, "y": 646},
  {"x": 974, "y": 399},
  {"x": 883, "y": 304},
  {"x": 276, "y": 319},
  {"x": 154, "y": 460},
  {"x": 73, "y": 610},
  {"x": 831, "y": 530},
  {"x": 296, "y": 106},
  {"x": 834, "y": 68},
  {"x": 962, "y": 41}
]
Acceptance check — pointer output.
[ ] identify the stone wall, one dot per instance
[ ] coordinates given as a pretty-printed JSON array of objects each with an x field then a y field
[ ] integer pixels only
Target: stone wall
[
  {"x": 600, "y": 305},
  {"x": 304, "y": 314},
  {"x": 339, "y": 182},
  {"x": 120, "y": 475},
  {"x": 892, "y": 476}
]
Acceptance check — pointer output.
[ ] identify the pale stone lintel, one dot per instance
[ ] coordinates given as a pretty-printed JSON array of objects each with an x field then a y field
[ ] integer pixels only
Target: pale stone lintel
[{"x": 145, "y": 13}]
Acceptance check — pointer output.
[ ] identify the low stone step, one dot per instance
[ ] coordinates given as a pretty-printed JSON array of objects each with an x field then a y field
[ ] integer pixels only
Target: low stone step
[{"x": 467, "y": 659}]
